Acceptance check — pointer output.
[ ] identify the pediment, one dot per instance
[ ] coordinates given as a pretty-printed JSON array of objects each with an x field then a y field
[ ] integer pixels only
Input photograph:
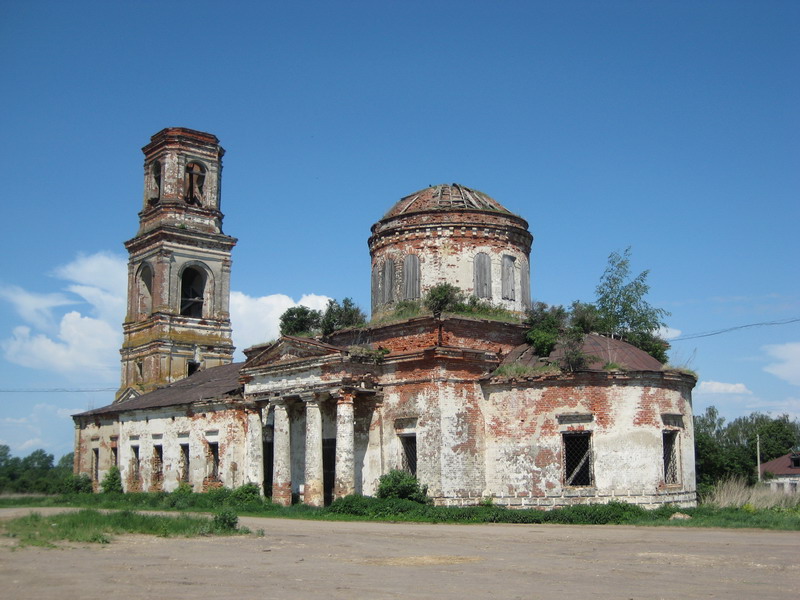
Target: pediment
[
  {"x": 291, "y": 349},
  {"x": 128, "y": 394}
]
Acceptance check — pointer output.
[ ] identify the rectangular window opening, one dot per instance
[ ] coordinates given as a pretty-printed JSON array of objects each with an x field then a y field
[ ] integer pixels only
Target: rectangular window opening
[
  {"x": 135, "y": 462},
  {"x": 409, "y": 443},
  {"x": 185, "y": 463},
  {"x": 670, "y": 457},
  {"x": 158, "y": 463},
  {"x": 95, "y": 464},
  {"x": 578, "y": 459},
  {"x": 213, "y": 460}
]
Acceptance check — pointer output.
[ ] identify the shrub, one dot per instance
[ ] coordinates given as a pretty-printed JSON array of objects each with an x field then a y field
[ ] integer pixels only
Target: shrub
[
  {"x": 248, "y": 493},
  {"x": 77, "y": 484},
  {"x": 441, "y": 298},
  {"x": 402, "y": 485},
  {"x": 225, "y": 520},
  {"x": 112, "y": 482}
]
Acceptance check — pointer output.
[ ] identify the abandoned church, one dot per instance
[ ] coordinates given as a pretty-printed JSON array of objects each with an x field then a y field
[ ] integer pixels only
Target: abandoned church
[{"x": 314, "y": 419}]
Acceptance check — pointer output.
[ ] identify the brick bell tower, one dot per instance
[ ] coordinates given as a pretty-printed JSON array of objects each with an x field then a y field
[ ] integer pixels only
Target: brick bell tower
[{"x": 179, "y": 266}]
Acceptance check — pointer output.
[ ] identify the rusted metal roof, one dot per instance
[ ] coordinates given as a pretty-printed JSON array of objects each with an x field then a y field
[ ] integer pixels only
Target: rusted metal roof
[
  {"x": 208, "y": 384},
  {"x": 445, "y": 197},
  {"x": 604, "y": 350}
]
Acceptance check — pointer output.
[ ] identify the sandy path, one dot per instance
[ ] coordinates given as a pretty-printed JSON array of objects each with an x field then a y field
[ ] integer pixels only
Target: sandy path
[{"x": 305, "y": 559}]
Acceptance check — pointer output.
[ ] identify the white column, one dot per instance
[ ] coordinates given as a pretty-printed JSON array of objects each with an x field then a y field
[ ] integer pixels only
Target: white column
[
  {"x": 282, "y": 456},
  {"x": 313, "y": 494},
  {"x": 254, "y": 449},
  {"x": 345, "y": 479}
]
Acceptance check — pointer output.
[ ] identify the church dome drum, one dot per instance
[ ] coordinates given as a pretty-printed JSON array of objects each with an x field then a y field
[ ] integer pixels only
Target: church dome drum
[{"x": 450, "y": 234}]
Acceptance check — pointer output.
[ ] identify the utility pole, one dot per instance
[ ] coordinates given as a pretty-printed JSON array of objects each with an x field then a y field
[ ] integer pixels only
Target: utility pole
[{"x": 758, "y": 456}]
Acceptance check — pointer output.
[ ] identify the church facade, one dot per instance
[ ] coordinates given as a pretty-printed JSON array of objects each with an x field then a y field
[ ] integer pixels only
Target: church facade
[{"x": 312, "y": 420}]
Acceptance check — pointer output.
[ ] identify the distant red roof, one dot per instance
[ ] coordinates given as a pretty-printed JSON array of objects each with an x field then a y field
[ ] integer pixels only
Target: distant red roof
[{"x": 782, "y": 465}]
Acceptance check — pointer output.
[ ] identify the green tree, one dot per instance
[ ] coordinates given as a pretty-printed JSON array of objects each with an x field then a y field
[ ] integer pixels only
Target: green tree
[
  {"x": 546, "y": 324},
  {"x": 300, "y": 320},
  {"x": 622, "y": 310},
  {"x": 442, "y": 298},
  {"x": 339, "y": 316}
]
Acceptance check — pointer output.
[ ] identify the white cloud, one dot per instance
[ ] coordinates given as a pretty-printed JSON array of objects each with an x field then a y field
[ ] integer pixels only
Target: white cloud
[
  {"x": 718, "y": 387},
  {"x": 788, "y": 365},
  {"x": 83, "y": 345},
  {"x": 36, "y": 309},
  {"x": 102, "y": 270},
  {"x": 76, "y": 344},
  {"x": 257, "y": 320},
  {"x": 33, "y": 443},
  {"x": 668, "y": 333}
]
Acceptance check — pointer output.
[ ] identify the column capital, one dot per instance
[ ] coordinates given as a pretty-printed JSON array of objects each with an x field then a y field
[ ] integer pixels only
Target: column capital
[{"x": 345, "y": 397}]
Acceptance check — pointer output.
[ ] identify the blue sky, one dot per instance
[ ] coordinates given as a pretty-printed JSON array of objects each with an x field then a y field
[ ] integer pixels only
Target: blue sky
[{"x": 670, "y": 127}]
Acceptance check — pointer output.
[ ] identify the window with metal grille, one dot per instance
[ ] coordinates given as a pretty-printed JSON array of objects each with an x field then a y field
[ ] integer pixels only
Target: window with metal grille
[
  {"x": 158, "y": 463},
  {"x": 577, "y": 458},
  {"x": 670, "y": 457},
  {"x": 409, "y": 443},
  {"x": 95, "y": 464}
]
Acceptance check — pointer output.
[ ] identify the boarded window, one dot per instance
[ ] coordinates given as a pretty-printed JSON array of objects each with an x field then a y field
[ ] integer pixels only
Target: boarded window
[
  {"x": 577, "y": 458},
  {"x": 409, "y": 443},
  {"x": 525, "y": 284},
  {"x": 509, "y": 291},
  {"x": 213, "y": 460},
  {"x": 185, "y": 464},
  {"x": 193, "y": 285},
  {"x": 376, "y": 287},
  {"x": 194, "y": 183},
  {"x": 411, "y": 277},
  {"x": 670, "y": 457},
  {"x": 388, "y": 282},
  {"x": 483, "y": 275}
]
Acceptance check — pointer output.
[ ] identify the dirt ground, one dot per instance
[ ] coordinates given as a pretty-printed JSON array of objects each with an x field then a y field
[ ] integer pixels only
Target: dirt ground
[{"x": 305, "y": 559}]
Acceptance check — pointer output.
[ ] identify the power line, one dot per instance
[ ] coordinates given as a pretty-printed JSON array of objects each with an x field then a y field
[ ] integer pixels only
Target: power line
[
  {"x": 693, "y": 336},
  {"x": 56, "y": 390}
]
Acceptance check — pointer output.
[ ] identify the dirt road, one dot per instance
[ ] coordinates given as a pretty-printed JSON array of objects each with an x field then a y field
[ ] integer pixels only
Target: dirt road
[{"x": 306, "y": 560}]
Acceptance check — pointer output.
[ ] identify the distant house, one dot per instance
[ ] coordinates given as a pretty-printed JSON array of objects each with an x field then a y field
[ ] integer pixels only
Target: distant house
[{"x": 785, "y": 471}]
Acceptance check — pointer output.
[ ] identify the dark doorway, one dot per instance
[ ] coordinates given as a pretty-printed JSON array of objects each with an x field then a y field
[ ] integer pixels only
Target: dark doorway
[
  {"x": 328, "y": 468},
  {"x": 268, "y": 450}
]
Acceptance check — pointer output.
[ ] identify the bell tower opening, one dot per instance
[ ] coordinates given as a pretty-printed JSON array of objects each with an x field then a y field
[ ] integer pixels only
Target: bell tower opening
[{"x": 193, "y": 285}]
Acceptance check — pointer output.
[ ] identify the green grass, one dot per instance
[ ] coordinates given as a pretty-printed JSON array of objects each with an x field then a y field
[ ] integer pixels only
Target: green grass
[
  {"x": 245, "y": 501},
  {"x": 93, "y": 526}
]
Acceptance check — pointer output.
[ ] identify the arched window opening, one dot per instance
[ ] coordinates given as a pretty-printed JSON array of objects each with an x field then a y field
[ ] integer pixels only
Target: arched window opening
[
  {"x": 411, "y": 277},
  {"x": 145, "y": 291},
  {"x": 388, "y": 282},
  {"x": 509, "y": 289},
  {"x": 193, "y": 285},
  {"x": 155, "y": 183},
  {"x": 194, "y": 183},
  {"x": 483, "y": 275}
]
